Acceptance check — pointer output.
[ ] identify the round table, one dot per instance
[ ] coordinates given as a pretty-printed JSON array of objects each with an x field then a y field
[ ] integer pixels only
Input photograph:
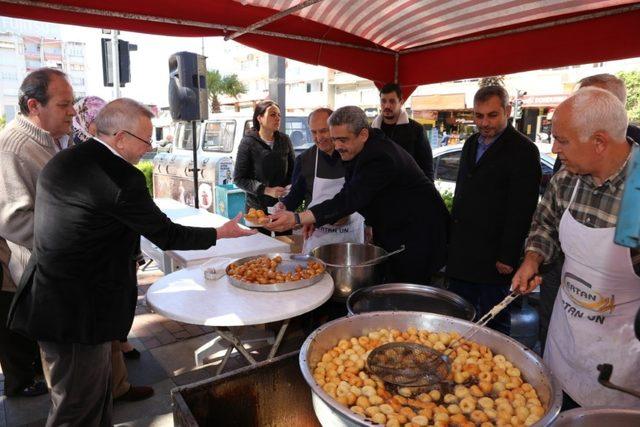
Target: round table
[{"x": 187, "y": 297}]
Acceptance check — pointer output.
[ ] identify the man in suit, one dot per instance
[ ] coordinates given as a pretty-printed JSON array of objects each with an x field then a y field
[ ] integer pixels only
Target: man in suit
[
  {"x": 385, "y": 185},
  {"x": 79, "y": 290},
  {"x": 398, "y": 127},
  {"x": 496, "y": 194}
]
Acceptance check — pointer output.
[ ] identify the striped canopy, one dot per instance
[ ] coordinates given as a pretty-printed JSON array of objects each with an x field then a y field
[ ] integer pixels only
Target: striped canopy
[{"x": 410, "y": 41}]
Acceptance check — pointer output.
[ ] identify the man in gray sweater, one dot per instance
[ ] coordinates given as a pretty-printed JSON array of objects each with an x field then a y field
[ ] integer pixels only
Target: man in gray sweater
[{"x": 26, "y": 145}]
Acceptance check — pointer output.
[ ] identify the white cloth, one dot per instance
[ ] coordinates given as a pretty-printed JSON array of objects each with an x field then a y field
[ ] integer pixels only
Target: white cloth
[
  {"x": 593, "y": 315},
  {"x": 351, "y": 232}
]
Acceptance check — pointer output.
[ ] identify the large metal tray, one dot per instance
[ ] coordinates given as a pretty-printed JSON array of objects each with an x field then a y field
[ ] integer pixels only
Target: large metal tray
[{"x": 289, "y": 263}]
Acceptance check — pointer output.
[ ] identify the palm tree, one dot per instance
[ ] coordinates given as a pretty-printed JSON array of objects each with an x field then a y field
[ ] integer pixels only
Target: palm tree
[
  {"x": 228, "y": 85},
  {"x": 491, "y": 81}
]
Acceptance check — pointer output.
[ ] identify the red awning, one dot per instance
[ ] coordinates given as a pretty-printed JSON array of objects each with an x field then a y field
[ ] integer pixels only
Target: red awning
[{"x": 412, "y": 41}]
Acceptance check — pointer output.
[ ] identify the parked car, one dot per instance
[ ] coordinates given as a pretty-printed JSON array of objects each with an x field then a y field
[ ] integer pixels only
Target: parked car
[{"x": 446, "y": 161}]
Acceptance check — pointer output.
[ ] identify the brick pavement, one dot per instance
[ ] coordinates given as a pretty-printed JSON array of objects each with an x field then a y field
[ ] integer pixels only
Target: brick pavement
[{"x": 154, "y": 330}]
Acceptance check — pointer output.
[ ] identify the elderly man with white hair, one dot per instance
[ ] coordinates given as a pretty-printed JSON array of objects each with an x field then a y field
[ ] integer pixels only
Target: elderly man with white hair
[{"x": 592, "y": 320}]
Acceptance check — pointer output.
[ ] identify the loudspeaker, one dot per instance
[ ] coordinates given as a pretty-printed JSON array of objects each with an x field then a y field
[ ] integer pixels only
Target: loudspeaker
[{"x": 188, "y": 86}]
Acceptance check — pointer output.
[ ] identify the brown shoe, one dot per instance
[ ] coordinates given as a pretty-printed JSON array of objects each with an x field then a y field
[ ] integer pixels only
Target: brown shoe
[{"x": 135, "y": 393}]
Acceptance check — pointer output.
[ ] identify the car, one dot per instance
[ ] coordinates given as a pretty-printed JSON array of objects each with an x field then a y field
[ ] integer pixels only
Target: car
[{"x": 446, "y": 161}]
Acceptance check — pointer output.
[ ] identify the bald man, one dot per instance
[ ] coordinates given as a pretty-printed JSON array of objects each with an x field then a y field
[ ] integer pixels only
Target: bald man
[
  {"x": 594, "y": 311},
  {"x": 79, "y": 290}
]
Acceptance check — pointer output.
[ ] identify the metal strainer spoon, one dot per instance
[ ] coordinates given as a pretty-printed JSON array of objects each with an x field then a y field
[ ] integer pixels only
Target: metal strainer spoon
[{"x": 415, "y": 365}]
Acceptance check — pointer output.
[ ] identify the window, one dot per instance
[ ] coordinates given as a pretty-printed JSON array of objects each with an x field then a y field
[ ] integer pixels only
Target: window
[
  {"x": 447, "y": 168},
  {"x": 297, "y": 130},
  {"x": 218, "y": 136},
  {"x": 247, "y": 126},
  {"x": 186, "y": 140}
]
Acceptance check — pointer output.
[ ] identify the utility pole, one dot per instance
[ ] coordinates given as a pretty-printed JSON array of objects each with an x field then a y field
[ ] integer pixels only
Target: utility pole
[{"x": 116, "y": 63}]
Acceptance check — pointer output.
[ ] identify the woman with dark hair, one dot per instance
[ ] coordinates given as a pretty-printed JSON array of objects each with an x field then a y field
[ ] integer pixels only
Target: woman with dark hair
[{"x": 264, "y": 163}]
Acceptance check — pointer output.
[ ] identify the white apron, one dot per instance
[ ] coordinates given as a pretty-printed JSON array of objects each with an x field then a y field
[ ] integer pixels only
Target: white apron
[
  {"x": 351, "y": 232},
  {"x": 593, "y": 315}
]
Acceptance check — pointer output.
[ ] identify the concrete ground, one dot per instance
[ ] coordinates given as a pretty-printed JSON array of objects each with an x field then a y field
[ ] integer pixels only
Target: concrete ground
[{"x": 167, "y": 360}]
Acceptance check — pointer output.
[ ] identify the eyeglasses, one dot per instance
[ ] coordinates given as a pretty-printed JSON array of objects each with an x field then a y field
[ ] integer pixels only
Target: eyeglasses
[{"x": 135, "y": 136}]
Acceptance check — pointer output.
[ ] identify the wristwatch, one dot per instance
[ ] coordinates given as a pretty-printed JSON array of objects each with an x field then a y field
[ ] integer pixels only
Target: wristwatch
[{"x": 296, "y": 217}]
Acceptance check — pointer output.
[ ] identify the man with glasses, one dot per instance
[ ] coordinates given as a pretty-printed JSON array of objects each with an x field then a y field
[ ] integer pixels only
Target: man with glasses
[{"x": 79, "y": 290}]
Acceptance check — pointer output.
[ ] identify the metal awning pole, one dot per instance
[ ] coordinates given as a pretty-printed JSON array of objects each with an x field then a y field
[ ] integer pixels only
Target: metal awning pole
[{"x": 271, "y": 19}]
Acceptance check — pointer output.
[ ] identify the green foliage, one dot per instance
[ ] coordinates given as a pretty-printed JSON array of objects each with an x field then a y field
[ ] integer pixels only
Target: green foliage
[
  {"x": 447, "y": 196},
  {"x": 491, "y": 81},
  {"x": 228, "y": 85},
  {"x": 631, "y": 80},
  {"x": 147, "y": 170},
  {"x": 3, "y": 121}
]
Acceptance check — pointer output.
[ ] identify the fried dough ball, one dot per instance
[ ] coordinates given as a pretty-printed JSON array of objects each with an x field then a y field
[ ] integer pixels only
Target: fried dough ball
[{"x": 488, "y": 389}]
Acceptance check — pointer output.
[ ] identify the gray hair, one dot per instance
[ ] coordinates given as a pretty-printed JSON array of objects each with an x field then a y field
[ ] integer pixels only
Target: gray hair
[
  {"x": 327, "y": 111},
  {"x": 488, "y": 92},
  {"x": 352, "y": 116},
  {"x": 120, "y": 114},
  {"x": 593, "y": 109},
  {"x": 607, "y": 82}
]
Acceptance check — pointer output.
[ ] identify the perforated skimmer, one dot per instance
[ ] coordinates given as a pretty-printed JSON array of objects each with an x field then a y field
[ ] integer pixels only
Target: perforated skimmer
[{"x": 415, "y": 365}]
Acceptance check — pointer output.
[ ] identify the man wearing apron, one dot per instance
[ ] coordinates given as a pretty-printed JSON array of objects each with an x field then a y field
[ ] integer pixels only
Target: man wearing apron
[
  {"x": 318, "y": 175},
  {"x": 593, "y": 315}
]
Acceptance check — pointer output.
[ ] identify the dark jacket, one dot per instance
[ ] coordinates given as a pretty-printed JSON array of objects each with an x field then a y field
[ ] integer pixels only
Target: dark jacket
[
  {"x": 413, "y": 139},
  {"x": 385, "y": 185},
  {"x": 259, "y": 166},
  {"x": 492, "y": 207},
  {"x": 80, "y": 284}
]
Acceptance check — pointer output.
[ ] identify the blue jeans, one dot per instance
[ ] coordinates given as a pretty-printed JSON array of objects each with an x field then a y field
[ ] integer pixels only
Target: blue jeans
[{"x": 484, "y": 298}]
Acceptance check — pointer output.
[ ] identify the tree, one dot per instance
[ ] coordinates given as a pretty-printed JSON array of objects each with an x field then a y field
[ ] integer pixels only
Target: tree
[
  {"x": 228, "y": 85},
  {"x": 631, "y": 81},
  {"x": 3, "y": 121},
  {"x": 491, "y": 81}
]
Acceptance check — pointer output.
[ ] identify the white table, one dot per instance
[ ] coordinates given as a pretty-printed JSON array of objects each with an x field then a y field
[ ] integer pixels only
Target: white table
[
  {"x": 187, "y": 297},
  {"x": 180, "y": 213}
]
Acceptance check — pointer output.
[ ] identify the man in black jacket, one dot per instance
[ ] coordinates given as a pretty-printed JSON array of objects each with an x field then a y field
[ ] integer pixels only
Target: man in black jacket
[
  {"x": 79, "y": 290},
  {"x": 385, "y": 185},
  {"x": 496, "y": 194},
  {"x": 396, "y": 124}
]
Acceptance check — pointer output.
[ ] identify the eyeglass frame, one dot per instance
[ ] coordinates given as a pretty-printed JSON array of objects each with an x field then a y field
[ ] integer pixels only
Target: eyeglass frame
[{"x": 135, "y": 136}]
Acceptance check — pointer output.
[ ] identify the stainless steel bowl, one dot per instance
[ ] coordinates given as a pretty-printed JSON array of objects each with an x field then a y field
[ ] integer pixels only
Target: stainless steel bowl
[
  {"x": 598, "y": 417},
  {"x": 331, "y": 413},
  {"x": 342, "y": 261},
  {"x": 409, "y": 297}
]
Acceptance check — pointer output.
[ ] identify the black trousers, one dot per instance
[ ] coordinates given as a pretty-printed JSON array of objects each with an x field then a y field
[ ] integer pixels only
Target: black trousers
[
  {"x": 484, "y": 298},
  {"x": 548, "y": 291},
  {"x": 19, "y": 355}
]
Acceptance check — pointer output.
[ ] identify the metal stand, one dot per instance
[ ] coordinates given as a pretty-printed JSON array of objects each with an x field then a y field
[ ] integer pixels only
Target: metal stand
[{"x": 233, "y": 337}]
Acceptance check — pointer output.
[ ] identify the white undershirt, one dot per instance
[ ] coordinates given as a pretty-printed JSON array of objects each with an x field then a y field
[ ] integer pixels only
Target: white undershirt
[{"x": 109, "y": 147}]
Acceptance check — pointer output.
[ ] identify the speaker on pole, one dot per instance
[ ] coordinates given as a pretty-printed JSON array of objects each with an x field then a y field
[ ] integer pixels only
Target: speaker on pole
[{"x": 188, "y": 87}]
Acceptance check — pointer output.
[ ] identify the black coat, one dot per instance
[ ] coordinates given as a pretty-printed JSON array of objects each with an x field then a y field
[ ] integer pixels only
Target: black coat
[
  {"x": 412, "y": 137},
  {"x": 385, "y": 185},
  {"x": 259, "y": 166},
  {"x": 80, "y": 284},
  {"x": 492, "y": 207}
]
